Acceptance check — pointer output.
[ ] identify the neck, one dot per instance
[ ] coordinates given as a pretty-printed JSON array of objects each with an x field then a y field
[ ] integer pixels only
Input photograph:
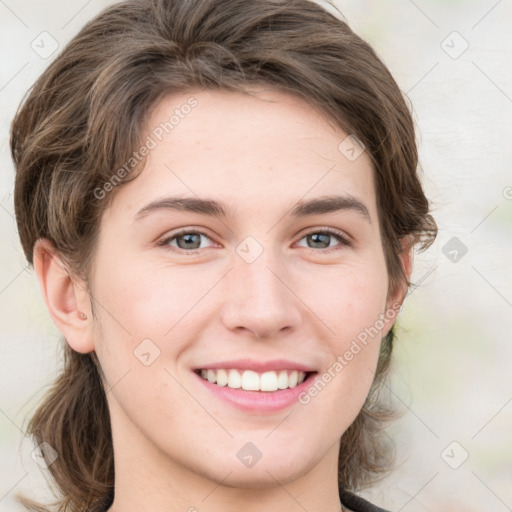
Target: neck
[{"x": 146, "y": 479}]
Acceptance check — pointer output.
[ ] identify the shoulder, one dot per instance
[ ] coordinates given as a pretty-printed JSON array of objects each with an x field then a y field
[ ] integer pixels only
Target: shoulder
[{"x": 357, "y": 504}]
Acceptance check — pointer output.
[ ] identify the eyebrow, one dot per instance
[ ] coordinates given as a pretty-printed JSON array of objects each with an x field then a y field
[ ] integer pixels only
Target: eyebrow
[{"x": 317, "y": 206}]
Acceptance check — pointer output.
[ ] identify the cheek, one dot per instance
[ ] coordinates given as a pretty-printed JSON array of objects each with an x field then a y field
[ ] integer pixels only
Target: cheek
[
  {"x": 352, "y": 310},
  {"x": 347, "y": 299},
  {"x": 148, "y": 309},
  {"x": 149, "y": 300},
  {"x": 173, "y": 306}
]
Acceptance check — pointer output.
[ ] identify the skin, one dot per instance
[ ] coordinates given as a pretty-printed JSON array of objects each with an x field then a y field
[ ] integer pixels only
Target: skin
[{"x": 175, "y": 444}]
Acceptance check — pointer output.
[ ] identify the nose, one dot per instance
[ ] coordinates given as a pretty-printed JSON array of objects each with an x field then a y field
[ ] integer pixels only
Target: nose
[{"x": 259, "y": 299}]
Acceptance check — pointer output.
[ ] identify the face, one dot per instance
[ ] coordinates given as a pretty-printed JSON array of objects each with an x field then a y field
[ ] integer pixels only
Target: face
[{"x": 263, "y": 281}]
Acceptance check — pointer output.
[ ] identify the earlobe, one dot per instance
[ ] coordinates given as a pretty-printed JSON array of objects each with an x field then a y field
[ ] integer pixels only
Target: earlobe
[
  {"x": 65, "y": 297},
  {"x": 408, "y": 256},
  {"x": 406, "y": 261},
  {"x": 396, "y": 299}
]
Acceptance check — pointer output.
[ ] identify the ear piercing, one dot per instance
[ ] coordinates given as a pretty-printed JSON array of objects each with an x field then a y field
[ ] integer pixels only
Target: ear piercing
[{"x": 82, "y": 315}]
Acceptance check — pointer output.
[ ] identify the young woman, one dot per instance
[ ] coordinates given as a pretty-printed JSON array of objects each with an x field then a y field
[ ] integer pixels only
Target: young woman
[{"x": 220, "y": 200}]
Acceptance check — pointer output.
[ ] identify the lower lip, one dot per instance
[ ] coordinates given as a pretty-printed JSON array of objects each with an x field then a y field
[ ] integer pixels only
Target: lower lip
[{"x": 259, "y": 401}]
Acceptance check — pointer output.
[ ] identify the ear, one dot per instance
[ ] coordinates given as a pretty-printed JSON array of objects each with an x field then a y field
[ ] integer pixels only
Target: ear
[
  {"x": 65, "y": 297},
  {"x": 397, "y": 296}
]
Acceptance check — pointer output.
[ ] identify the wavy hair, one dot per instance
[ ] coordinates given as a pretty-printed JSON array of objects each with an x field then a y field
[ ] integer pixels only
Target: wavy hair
[{"x": 85, "y": 116}]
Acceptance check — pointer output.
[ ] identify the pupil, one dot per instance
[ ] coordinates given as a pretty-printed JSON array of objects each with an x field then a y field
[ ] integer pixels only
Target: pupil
[
  {"x": 315, "y": 236},
  {"x": 188, "y": 237},
  {"x": 318, "y": 239}
]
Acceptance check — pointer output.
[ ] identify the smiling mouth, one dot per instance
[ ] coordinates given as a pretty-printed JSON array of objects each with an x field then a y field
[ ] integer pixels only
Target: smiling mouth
[{"x": 249, "y": 380}]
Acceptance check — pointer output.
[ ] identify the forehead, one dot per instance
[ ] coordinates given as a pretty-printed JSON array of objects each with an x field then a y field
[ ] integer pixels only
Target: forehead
[{"x": 247, "y": 150}]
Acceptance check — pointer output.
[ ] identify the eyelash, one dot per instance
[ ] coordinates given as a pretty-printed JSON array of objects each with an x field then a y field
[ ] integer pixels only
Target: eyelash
[{"x": 340, "y": 237}]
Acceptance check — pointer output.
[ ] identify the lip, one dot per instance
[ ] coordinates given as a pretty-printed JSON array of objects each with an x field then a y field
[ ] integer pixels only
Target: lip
[
  {"x": 257, "y": 366},
  {"x": 258, "y": 401}
]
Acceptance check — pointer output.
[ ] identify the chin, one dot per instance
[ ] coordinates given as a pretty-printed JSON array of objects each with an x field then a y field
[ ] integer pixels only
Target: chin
[
  {"x": 267, "y": 473},
  {"x": 260, "y": 479}
]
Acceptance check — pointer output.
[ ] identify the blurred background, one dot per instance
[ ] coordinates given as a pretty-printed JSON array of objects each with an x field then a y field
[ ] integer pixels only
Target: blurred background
[{"x": 452, "y": 377}]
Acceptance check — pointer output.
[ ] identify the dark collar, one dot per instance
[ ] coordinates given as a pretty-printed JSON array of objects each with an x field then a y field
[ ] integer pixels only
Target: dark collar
[
  {"x": 356, "y": 503},
  {"x": 348, "y": 499}
]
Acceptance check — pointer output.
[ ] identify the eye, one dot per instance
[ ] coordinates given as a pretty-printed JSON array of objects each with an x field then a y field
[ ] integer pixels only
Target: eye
[
  {"x": 189, "y": 240},
  {"x": 185, "y": 240},
  {"x": 320, "y": 239}
]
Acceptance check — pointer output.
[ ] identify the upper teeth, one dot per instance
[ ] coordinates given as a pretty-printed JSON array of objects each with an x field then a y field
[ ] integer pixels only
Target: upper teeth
[{"x": 253, "y": 381}]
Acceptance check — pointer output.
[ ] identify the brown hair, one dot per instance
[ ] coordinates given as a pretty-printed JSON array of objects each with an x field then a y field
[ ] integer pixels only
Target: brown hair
[{"x": 85, "y": 116}]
